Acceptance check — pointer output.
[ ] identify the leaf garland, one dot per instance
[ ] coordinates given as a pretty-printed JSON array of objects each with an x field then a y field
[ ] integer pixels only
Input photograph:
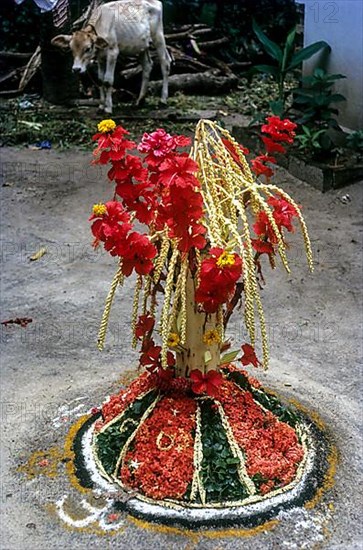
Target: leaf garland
[
  {"x": 110, "y": 442},
  {"x": 219, "y": 466}
]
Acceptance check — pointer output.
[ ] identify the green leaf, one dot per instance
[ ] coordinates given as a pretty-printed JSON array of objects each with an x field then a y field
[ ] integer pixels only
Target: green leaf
[
  {"x": 267, "y": 69},
  {"x": 232, "y": 460},
  {"x": 230, "y": 356},
  {"x": 277, "y": 107},
  {"x": 332, "y": 77},
  {"x": 179, "y": 321},
  {"x": 306, "y": 53},
  {"x": 337, "y": 97},
  {"x": 319, "y": 73},
  {"x": 288, "y": 47},
  {"x": 270, "y": 47},
  {"x": 207, "y": 357}
]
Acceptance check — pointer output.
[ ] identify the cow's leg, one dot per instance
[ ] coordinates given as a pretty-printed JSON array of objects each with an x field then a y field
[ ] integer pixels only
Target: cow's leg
[
  {"x": 101, "y": 68},
  {"x": 108, "y": 78},
  {"x": 164, "y": 59},
  {"x": 147, "y": 65}
]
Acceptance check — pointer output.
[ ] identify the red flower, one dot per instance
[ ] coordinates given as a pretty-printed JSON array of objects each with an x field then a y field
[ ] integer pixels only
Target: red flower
[
  {"x": 263, "y": 228},
  {"x": 218, "y": 276},
  {"x": 192, "y": 237},
  {"x": 258, "y": 165},
  {"x": 181, "y": 209},
  {"x": 127, "y": 169},
  {"x": 211, "y": 298},
  {"x": 206, "y": 383},
  {"x": 179, "y": 170},
  {"x": 249, "y": 356},
  {"x": 283, "y": 212},
  {"x": 234, "y": 152},
  {"x": 112, "y": 145},
  {"x": 224, "y": 266},
  {"x": 262, "y": 247},
  {"x": 144, "y": 325},
  {"x": 137, "y": 252},
  {"x": 112, "y": 226},
  {"x": 150, "y": 358},
  {"x": 272, "y": 146},
  {"x": 279, "y": 130},
  {"x": 138, "y": 198}
]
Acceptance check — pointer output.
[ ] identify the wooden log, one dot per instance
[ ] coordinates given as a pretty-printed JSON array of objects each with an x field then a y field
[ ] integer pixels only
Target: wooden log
[
  {"x": 199, "y": 32},
  {"x": 185, "y": 27},
  {"x": 31, "y": 68},
  {"x": 188, "y": 33},
  {"x": 178, "y": 35},
  {"x": 224, "y": 67},
  {"x": 130, "y": 73},
  {"x": 209, "y": 83},
  {"x": 11, "y": 74},
  {"x": 178, "y": 54},
  {"x": 239, "y": 65},
  {"x": 210, "y": 44},
  {"x": 14, "y": 55}
]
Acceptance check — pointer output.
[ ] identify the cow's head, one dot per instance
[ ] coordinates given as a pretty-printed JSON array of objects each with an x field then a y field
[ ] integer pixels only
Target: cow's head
[{"x": 83, "y": 44}]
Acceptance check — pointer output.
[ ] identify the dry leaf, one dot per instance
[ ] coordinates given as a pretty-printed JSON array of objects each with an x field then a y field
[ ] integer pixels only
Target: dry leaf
[{"x": 38, "y": 254}]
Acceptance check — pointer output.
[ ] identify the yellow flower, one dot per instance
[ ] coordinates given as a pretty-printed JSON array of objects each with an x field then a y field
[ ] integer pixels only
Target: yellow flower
[
  {"x": 99, "y": 209},
  {"x": 173, "y": 340},
  {"x": 106, "y": 125},
  {"x": 225, "y": 259},
  {"x": 211, "y": 337}
]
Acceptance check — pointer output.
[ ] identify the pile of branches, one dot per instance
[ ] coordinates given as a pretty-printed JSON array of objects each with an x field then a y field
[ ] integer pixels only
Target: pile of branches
[
  {"x": 17, "y": 70},
  {"x": 197, "y": 65},
  {"x": 197, "y": 62}
]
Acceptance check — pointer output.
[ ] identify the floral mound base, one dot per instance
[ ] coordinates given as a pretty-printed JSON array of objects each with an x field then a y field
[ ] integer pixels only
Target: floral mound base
[{"x": 181, "y": 459}]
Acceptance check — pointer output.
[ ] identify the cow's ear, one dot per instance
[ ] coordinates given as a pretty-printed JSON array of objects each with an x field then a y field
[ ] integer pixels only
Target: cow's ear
[
  {"x": 62, "y": 41},
  {"x": 101, "y": 43}
]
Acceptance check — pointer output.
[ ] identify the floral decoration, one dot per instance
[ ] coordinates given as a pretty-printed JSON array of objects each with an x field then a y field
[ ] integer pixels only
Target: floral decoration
[{"x": 194, "y": 228}]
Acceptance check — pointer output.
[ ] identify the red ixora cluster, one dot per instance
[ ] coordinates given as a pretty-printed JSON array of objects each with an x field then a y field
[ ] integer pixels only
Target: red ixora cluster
[
  {"x": 271, "y": 447},
  {"x": 119, "y": 402},
  {"x": 161, "y": 463},
  {"x": 278, "y": 132}
]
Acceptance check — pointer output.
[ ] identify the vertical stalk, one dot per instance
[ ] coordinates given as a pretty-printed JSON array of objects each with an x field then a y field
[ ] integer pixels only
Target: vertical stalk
[{"x": 196, "y": 354}]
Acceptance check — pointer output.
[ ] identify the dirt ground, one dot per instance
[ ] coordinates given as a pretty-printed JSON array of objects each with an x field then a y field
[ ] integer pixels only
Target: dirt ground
[{"x": 51, "y": 370}]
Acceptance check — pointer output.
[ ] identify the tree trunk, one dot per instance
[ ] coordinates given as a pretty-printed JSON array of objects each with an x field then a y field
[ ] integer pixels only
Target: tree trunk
[
  {"x": 196, "y": 353},
  {"x": 60, "y": 85}
]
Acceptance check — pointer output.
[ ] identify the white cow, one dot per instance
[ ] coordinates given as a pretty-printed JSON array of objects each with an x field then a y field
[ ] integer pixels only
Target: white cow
[{"x": 127, "y": 27}]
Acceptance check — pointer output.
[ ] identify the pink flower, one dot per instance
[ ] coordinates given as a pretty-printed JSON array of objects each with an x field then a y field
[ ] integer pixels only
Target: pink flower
[{"x": 158, "y": 145}]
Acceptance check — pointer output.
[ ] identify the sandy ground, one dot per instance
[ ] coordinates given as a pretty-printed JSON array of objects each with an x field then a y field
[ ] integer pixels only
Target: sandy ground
[{"x": 315, "y": 332}]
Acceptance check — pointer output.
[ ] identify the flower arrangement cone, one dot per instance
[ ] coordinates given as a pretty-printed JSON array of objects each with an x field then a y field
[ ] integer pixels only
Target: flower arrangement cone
[{"x": 195, "y": 430}]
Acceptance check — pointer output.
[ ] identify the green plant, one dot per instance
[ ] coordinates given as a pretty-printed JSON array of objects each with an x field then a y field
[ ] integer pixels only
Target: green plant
[
  {"x": 309, "y": 140},
  {"x": 355, "y": 141},
  {"x": 315, "y": 98},
  {"x": 285, "y": 60}
]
